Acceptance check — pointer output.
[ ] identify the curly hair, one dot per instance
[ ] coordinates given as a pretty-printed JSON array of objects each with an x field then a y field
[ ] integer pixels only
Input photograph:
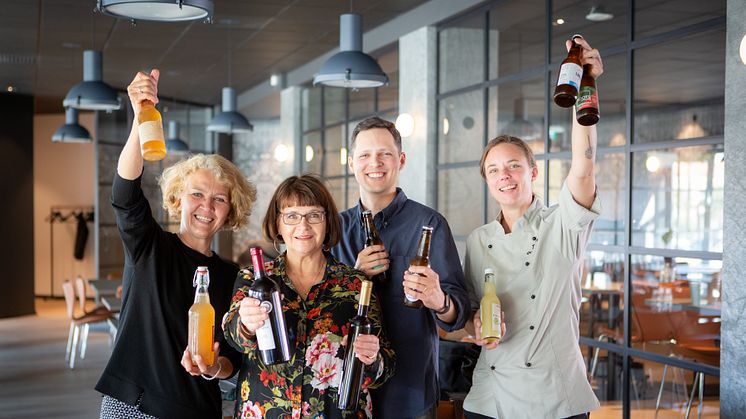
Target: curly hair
[{"x": 242, "y": 192}]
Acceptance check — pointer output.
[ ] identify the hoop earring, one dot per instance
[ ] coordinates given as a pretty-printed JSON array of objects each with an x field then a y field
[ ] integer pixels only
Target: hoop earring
[{"x": 277, "y": 248}]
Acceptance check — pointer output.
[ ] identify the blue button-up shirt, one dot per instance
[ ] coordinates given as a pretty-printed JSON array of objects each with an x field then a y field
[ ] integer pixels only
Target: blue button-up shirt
[{"x": 414, "y": 337}]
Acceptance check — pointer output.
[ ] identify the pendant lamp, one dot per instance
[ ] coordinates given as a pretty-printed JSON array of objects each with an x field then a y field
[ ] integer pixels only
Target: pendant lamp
[
  {"x": 174, "y": 144},
  {"x": 158, "y": 10},
  {"x": 71, "y": 132},
  {"x": 351, "y": 67},
  {"x": 92, "y": 93},
  {"x": 229, "y": 121}
]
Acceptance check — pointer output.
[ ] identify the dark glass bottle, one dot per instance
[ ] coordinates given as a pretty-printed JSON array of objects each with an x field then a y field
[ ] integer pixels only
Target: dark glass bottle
[
  {"x": 372, "y": 238},
  {"x": 568, "y": 81},
  {"x": 352, "y": 369},
  {"x": 586, "y": 108},
  {"x": 421, "y": 259},
  {"x": 272, "y": 338}
]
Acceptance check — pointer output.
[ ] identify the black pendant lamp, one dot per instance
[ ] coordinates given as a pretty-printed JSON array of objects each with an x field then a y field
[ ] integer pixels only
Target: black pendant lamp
[
  {"x": 351, "y": 67},
  {"x": 72, "y": 131},
  {"x": 92, "y": 93},
  {"x": 174, "y": 144},
  {"x": 158, "y": 10}
]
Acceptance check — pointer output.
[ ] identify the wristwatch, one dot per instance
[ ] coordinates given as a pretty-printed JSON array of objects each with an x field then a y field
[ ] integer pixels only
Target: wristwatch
[{"x": 446, "y": 305}]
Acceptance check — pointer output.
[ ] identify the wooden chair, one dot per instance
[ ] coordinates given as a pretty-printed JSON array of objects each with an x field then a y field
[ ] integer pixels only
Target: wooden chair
[{"x": 76, "y": 324}]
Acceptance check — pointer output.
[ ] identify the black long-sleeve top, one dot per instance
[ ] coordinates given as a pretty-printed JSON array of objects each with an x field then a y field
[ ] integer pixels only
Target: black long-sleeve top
[{"x": 144, "y": 368}]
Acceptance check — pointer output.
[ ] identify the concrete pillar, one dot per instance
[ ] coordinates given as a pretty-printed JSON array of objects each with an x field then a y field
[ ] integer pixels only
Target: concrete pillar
[
  {"x": 417, "y": 82},
  {"x": 733, "y": 340}
]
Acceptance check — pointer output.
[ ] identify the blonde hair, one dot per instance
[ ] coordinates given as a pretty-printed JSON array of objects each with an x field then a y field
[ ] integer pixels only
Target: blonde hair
[{"x": 242, "y": 192}]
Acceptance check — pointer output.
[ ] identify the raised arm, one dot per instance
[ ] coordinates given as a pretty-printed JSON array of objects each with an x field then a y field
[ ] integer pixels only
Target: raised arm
[
  {"x": 144, "y": 86},
  {"x": 582, "y": 178}
]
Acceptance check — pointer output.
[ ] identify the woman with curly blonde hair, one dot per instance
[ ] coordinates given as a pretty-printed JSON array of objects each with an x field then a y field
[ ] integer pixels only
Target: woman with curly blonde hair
[{"x": 150, "y": 374}]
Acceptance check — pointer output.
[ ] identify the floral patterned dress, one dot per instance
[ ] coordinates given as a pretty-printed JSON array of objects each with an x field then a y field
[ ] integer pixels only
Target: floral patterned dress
[{"x": 307, "y": 385}]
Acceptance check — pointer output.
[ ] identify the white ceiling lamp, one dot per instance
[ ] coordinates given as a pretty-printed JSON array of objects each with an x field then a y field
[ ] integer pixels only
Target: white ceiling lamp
[
  {"x": 72, "y": 131},
  {"x": 405, "y": 124},
  {"x": 351, "y": 67},
  {"x": 598, "y": 14},
  {"x": 742, "y": 50},
  {"x": 229, "y": 121},
  {"x": 174, "y": 144},
  {"x": 92, "y": 93},
  {"x": 157, "y": 10}
]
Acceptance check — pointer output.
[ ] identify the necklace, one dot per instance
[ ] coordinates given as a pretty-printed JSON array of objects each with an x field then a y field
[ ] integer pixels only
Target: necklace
[{"x": 299, "y": 283}]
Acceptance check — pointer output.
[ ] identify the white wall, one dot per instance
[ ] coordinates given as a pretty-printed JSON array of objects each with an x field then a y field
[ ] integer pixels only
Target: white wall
[{"x": 63, "y": 175}]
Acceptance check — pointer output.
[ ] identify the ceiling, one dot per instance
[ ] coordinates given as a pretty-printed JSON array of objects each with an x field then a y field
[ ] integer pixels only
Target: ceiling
[{"x": 42, "y": 44}]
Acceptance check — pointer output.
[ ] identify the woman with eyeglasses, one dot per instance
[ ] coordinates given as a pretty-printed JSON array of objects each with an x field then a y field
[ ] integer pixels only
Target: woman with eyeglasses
[{"x": 319, "y": 298}]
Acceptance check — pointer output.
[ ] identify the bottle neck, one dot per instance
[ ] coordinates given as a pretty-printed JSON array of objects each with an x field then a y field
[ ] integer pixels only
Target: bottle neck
[
  {"x": 423, "y": 248},
  {"x": 257, "y": 259},
  {"x": 365, "y": 290},
  {"x": 201, "y": 295},
  {"x": 370, "y": 228},
  {"x": 489, "y": 284},
  {"x": 146, "y": 104}
]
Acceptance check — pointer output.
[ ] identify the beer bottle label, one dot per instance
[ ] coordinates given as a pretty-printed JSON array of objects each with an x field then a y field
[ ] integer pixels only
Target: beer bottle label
[
  {"x": 570, "y": 73},
  {"x": 587, "y": 98},
  {"x": 150, "y": 131}
]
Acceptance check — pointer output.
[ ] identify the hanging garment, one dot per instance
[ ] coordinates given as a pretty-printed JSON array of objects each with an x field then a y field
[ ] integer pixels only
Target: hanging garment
[{"x": 81, "y": 236}]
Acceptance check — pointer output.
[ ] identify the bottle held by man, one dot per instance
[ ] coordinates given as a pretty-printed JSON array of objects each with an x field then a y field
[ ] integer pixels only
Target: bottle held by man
[
  {"x": 421, "y": 259},
  {"x": 202, "y": 319},
  {"x": 586, "y": 108},
  {"x": 150, "y": 130},
  {"x": 570, "y": 74},
  {"x": 352, "y": 369},
  {"x": 272, "y": 338},
  {"x": 373, "y": 238},
  {"x": 490, "y": 309}
]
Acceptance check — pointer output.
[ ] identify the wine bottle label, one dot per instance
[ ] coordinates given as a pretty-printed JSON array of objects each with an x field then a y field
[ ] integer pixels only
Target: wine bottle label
[
  {"x": 264, "y": 337},
  {"x": 571, "y": 74},
  {"x": 149, "y": 131},
  {"x": 587, "y": 98}
]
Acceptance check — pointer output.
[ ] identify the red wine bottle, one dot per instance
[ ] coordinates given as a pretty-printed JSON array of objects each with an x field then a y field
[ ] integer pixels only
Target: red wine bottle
[
  {"x": 352, "y": 369},
  {"x": 272, "y": 338}
]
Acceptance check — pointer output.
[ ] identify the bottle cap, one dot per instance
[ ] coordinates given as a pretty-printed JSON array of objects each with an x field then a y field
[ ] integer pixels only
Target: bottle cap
[
  {"x": 489, "y": 271},
  {"x": 427, "y": 228},
  {"x": 577, "y": 35},
  {"x": 200, "y": 273}
]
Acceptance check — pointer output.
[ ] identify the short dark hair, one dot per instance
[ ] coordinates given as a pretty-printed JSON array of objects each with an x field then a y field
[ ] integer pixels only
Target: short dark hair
[
  {"x": 507, "y": 139},
  {"x": 372, "y": 123},
  {"x": 305, "y": 190}
]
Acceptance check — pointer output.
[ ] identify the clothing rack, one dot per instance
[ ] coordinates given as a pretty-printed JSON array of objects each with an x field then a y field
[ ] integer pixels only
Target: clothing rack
[{"x": 63, "y": 214}]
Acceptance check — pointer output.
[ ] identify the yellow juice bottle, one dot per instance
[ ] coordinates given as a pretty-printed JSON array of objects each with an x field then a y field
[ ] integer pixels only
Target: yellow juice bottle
[
  {"x": 202, "y": 319},
  {"x": 490, "y": 309},
  {"x": 150, "y": 130}
]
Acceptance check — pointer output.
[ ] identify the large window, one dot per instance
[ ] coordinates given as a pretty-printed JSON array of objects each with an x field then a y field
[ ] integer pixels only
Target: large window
[
  {"x": 660, "y": 166},
  {"x": 329, "y": 114}
]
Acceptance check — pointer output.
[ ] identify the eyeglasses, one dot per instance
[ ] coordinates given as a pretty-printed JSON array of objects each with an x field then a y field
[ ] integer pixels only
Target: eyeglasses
[{"x": 293, "y": 218}]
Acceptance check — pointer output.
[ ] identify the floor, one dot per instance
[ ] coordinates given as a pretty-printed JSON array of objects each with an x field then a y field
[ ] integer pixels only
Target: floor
[{"x": 35, "y": 381}]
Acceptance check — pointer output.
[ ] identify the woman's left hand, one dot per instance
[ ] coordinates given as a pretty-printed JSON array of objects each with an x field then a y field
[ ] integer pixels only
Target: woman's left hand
[
  {"x": 423, "y": 283},
  {"x": 366, "y": 348},
  {"x": 200, "y": 367}
]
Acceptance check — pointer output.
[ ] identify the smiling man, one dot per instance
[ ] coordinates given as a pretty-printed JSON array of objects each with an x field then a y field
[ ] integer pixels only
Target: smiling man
[{"x": 376, "y": 158}]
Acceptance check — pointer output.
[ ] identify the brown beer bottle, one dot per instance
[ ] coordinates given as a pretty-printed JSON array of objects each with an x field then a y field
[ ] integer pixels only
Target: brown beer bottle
[
  {"x": 421, "y": 259},
  {"x": 372, "y": 238},
  {"x": 586, "y": 108},
  {"x": 568, "y": 81}
]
